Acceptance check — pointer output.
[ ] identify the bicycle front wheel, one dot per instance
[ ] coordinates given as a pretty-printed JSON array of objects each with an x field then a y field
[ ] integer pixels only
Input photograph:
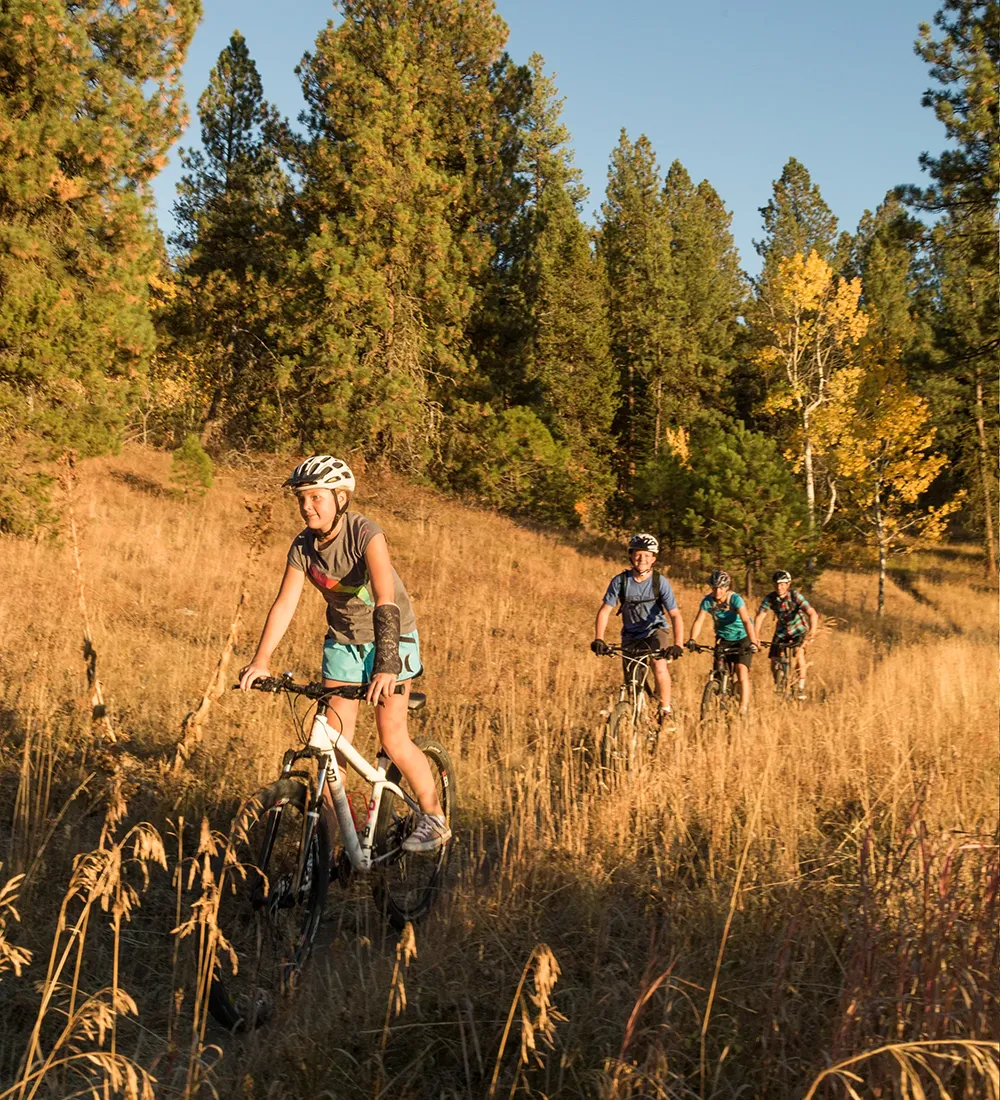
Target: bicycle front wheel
[
  {"x": 271, "y": 905},
  {"x": 617, "y": 737},
  {"x": 780, "y": 672},
  {"x": 712, "y": 703},
  {"x": 405, "y": 884}
]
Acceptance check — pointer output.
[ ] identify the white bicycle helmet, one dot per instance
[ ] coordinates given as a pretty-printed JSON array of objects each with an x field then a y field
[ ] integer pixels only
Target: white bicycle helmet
[
  {"x": 643, "y": 542},
  {"x": 782, "y": 576},
  {"x": 321, "y": 472}
]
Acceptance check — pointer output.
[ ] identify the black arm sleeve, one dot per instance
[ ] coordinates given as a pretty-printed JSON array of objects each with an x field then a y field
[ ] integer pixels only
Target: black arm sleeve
[{"x": 386, "y": 622}]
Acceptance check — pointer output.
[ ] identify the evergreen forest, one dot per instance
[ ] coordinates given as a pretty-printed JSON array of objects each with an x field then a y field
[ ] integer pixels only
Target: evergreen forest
[{"x": 405, "y": 275}]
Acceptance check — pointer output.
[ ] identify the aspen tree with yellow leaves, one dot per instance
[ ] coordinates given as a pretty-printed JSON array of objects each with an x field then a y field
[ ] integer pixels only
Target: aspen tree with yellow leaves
[
  {"x": 808, "y": 322},
  {"x": 879, "y": 433}
]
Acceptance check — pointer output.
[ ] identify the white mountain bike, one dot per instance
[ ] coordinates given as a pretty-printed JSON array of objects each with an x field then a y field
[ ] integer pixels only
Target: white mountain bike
[{"x": 282, "y": 846}]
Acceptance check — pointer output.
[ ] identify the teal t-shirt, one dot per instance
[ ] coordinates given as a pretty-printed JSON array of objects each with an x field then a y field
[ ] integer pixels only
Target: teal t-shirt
[{"x": 728, "y": 624}]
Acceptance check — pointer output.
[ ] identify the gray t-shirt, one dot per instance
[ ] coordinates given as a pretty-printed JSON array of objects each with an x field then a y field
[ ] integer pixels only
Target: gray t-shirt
[
  {"x": 339, "y": 571},
  {"x": 642, "y": 614}
]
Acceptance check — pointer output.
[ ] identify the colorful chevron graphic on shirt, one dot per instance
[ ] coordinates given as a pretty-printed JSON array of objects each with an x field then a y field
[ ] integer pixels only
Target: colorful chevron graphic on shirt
[{"x": 331, "y": 584}]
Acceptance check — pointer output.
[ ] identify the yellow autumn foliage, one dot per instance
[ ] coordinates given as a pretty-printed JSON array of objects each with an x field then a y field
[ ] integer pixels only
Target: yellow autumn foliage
[
  {"x": 814, "y": 317},
  {"x": 880, "y": 434}
]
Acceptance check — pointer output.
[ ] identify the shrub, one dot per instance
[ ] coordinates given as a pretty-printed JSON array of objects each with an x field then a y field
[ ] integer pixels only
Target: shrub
[{"x": 191, "y": 468}]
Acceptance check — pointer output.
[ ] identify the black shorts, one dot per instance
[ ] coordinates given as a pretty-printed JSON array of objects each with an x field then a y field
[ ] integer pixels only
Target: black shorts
[
  {"x": 659, "y": 639},
  {"x": 774, "y": 653},
  {"x": 739, "y": 653}
]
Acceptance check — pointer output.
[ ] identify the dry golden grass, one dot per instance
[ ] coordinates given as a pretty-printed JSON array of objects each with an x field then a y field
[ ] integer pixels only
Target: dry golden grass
[{"x": 863, "y": 826}]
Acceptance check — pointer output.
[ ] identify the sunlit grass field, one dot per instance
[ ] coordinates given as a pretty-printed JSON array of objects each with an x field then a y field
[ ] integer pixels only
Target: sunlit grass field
[{"x": 815, "y": 888}]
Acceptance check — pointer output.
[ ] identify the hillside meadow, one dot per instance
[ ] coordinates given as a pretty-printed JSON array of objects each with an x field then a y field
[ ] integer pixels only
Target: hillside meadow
[{"x": 803, "y": 905}]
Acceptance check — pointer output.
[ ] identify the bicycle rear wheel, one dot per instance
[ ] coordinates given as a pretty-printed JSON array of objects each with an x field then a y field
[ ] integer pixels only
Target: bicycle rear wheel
[
  {"x": 405, "y": 884},
  {"x": 269, "y": 922}
]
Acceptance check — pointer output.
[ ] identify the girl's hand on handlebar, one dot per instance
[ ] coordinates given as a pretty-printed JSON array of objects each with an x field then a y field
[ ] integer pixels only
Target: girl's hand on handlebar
[
  {"x": 256, "y": 670},
  {"x": 382, "y": 685}
]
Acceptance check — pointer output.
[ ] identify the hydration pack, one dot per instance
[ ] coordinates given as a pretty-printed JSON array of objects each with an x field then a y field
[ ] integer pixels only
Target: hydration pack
[{"x": 623, "y": 587}]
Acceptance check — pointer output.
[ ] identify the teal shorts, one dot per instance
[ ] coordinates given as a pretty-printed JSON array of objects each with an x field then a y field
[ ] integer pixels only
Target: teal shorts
[{"x": 352, "y": 664}]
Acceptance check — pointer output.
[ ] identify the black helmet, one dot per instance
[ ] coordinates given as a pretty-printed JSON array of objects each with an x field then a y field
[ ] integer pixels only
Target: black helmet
[
  {"x": 719, "y": 579},
  {"x": 781, "y": 576},
  {"x": 643, "y": 542}
]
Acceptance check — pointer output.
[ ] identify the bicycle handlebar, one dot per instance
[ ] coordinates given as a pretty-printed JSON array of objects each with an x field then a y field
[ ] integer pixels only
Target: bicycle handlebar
[
  {"x": 728, "y": 648},
  {"x": 652, "y": 654},
  {"x": 276, "y": 684}
]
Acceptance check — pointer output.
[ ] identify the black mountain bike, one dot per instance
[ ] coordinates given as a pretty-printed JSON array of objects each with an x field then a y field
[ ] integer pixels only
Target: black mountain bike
[
  {"x": 721, "y": 696},
  {"x": 782, "y": 670},
  {"x": 273, "y": 899},
  {"x": 633, "y": 726}
]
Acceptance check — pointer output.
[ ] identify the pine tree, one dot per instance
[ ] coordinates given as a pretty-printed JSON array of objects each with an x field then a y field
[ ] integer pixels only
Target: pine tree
[
  {"x": 233, "y": 186},
  {"x": 89, "y": 105},
  {"x": 567, "y": 372},
  {"x": 796, "y": 219},
  {"x": 397, "y": 168},
  {"x": 710, "y": 286},
  {"x": 643, "y": 306},
  {"x": 498, "y": 327},
  {"x": 965, "y": 64},
  {"x": 233, "y": 223},
  {"x": 732, "y": 496}
]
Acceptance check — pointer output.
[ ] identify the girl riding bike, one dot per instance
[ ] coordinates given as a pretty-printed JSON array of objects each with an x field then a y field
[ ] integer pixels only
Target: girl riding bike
[
  {"x": 733, "y": 626},
  {"x": 371, "y": 630}
]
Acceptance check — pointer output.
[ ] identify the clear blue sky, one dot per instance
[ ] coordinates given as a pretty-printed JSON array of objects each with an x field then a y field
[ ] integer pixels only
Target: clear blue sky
[{"x": 731, "y": 88}]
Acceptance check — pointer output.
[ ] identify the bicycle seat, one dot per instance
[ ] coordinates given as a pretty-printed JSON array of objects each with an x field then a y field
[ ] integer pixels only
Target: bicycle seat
[{"x": 416, "y": 700}]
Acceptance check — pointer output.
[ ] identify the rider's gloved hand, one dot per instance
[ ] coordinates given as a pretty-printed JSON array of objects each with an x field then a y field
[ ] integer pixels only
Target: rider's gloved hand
[
  {"x": 600, "y": 647},
  {"x": 691, "y": 644},
  {"x": 675, "y": 652},
  {"x": 752, "y": 648}
]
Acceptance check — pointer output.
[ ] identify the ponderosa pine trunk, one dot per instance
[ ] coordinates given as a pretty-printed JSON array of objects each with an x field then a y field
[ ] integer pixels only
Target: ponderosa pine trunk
[{"x": 984, "y": 473}]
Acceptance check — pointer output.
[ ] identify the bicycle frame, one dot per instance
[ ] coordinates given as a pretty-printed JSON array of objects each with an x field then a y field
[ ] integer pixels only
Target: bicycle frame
[
  {"x": 786, "y": 663},
  {"x": 324, "y": 744},
  {"x": 634, "y": 686}
]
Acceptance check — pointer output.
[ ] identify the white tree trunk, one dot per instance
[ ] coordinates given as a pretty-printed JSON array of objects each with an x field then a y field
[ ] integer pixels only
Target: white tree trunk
[{"x": 807, "y": 466}]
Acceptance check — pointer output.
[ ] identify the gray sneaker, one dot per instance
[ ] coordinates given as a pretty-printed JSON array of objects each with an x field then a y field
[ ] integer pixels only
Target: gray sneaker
[
  {"x": 430, "y": 832},
  {"x": 667, "y": 723}
]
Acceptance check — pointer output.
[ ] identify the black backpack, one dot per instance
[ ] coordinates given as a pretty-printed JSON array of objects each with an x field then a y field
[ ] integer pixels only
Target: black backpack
[{"x": 623, "y": 586}]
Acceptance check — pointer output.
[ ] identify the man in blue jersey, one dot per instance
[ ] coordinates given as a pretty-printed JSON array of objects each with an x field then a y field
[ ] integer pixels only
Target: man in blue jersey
[{"x": 645, "y": 600}]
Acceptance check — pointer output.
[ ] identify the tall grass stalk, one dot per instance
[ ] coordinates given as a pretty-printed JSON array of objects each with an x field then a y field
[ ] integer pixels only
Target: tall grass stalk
[
  {"x": 98, "y": 707},
  {"x": 914, "y": 1064},
  {"x": 733, "y": 901}
]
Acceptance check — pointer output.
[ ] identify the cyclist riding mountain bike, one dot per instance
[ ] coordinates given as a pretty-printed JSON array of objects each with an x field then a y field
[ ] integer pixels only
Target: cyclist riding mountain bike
[
  {"x": 371, "y": 634},
  {"x": 644, "y": 600},
  {"x": 733, "y": 627},
  {"x": 797, "y": 624}
]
